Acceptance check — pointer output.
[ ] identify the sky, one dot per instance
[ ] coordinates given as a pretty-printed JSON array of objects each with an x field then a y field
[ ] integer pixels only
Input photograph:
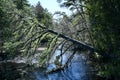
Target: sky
[{"x": 51, "y": 5}]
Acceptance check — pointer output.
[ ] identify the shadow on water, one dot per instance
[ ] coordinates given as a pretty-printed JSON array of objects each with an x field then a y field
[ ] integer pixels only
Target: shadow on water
[{"x": 76, "y": 70}]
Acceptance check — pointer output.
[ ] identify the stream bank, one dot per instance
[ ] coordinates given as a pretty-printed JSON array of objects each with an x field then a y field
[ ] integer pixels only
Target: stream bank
[{"x": 17, "y": 69}]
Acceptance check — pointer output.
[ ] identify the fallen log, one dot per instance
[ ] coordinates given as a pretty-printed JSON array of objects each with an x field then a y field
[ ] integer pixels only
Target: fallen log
[{"x": 76, "y": 42}]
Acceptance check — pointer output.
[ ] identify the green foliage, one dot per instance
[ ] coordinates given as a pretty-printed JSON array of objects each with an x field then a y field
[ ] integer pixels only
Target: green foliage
[
  {"x": 43, "y": 15},
  {"x": 48, "y": 52},
  {"x": 21, "y": 4},
  {"x": 104, "y": 19},
  {"x": 20, "y": 28},
  {"x": 5, "y": 21},
  {"x": 12, "y": 48},
  {"x": 105, "y": 28}
]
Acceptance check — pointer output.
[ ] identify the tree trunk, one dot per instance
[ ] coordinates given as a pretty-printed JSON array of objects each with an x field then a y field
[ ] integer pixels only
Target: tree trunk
[{"x": 78, "y": 43}]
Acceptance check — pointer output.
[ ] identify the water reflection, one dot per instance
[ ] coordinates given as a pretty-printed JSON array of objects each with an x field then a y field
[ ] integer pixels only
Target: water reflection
[{"x": 77, "y": 70}]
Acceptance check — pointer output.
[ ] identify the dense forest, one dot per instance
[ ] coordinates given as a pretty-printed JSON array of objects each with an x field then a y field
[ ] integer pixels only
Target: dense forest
[{"x": 93, "y": 26}]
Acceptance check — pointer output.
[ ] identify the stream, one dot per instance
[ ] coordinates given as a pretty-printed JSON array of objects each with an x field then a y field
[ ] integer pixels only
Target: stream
[{"x": 78, "y": 69}]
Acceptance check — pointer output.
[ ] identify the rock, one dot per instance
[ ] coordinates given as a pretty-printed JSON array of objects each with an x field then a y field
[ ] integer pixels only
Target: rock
[
  {"x": 12, "y": 70},
  {"x": 3, "y": 56}
]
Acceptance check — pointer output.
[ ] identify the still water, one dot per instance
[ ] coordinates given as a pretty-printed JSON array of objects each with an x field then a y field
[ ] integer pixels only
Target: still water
[{"x": 77, "y": 70}]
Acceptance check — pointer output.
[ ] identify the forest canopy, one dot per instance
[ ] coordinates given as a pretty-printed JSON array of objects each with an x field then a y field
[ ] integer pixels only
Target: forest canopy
[{"x": 23, "y": 28}]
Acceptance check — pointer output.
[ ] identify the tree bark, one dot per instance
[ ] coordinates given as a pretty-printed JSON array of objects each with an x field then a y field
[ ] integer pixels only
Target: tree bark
[{"x": 79, "y": 44}]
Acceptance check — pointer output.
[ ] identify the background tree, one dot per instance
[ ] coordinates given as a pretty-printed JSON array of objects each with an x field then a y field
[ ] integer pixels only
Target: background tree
[
  {"x": 24, "y": 27},
  {"x": 20, "y": 4},
  {"x": 103, "y": 17},
  {"x": 105, "y": 24},
  {"x": 43, "y": 15},
  {"x": 79, "y": 8},
  {"x": 5, "y": 22}
]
